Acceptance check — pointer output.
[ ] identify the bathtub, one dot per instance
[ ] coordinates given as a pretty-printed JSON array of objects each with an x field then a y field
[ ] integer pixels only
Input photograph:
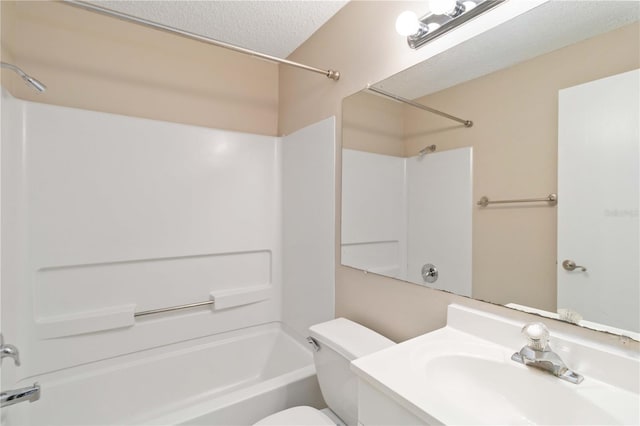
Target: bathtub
[{"x": 234, "y": 378}]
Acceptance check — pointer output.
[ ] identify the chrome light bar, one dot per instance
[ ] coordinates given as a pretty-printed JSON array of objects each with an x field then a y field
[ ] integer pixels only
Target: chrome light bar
[{"x": 433, "y": 25}]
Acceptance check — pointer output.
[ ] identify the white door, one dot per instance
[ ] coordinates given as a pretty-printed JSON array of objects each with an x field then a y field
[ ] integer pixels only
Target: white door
[{"x": 598, "y": 192}]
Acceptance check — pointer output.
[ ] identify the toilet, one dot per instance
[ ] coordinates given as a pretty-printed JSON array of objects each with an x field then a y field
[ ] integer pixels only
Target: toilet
[{"x": 336, "y": 344}]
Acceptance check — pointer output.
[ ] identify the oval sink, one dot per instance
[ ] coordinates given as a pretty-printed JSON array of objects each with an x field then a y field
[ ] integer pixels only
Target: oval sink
[{"x": 510, "y": 393}]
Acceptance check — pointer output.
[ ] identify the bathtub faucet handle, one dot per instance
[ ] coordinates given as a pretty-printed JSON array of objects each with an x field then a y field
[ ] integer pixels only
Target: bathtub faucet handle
[
  {"x": 314, "y": 344},
  {"x": 9, "y": 351}
]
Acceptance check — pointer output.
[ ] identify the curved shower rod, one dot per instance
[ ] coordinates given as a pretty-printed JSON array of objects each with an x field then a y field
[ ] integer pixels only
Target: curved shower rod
[{"x": 332, "y": 74}]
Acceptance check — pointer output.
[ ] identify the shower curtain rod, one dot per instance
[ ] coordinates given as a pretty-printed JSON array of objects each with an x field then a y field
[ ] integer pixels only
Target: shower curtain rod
[
  {"x": 467, "y": 123},
  {"x": 332, "y": 74}
]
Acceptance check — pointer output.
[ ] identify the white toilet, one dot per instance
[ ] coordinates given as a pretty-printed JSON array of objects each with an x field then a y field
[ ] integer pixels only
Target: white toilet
[{"x": 339, "y": 341}]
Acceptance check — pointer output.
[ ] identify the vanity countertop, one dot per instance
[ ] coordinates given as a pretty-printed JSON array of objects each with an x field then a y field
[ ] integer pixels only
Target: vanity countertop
[{"x": 463, "y": 374}]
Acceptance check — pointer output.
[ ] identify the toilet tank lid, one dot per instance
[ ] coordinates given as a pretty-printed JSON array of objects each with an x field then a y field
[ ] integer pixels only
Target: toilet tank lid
[{"x": 349, "y": 338}]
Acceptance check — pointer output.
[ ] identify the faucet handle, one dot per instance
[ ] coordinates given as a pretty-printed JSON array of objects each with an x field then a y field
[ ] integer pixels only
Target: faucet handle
[{"x": 538, "y": 335}]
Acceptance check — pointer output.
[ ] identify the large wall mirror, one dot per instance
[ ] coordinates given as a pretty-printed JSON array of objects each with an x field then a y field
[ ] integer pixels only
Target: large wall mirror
[{"x": 554, "y": 99}]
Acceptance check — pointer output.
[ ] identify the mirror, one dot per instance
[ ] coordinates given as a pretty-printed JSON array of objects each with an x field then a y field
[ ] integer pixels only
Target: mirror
[{"x": 412, "y": 180}]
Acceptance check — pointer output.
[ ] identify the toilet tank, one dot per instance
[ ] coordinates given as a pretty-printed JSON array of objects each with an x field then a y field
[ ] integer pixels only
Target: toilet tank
[{"x": 340, "y": 342}]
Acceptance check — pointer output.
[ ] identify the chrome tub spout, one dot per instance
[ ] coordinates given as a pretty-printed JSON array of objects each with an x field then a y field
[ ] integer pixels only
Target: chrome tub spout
[{"x": 10, "y": 397}]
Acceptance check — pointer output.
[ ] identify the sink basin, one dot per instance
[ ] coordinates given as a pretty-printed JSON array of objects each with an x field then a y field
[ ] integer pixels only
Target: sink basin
[
  {"x": 513, "y": 394},
  {"x": 450, "y": 376}
]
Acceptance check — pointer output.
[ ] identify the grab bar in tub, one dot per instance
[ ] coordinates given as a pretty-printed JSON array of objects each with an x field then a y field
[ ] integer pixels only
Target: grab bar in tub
[
  {"x": 222, "y": 299},
  {"x": 173, "y": 308},
  {"x": 124, "y": 315}
]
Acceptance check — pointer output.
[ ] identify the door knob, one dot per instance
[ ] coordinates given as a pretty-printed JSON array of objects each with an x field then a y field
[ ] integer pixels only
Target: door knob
[{"x": 570, "y": 265}]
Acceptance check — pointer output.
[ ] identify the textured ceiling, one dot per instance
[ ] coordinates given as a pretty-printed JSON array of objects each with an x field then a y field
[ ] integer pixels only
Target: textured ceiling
[{"x": 273, "y": 27}]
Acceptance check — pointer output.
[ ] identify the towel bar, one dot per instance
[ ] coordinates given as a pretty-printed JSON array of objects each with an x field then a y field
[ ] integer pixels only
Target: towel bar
[{"x": 552, "y": 199}]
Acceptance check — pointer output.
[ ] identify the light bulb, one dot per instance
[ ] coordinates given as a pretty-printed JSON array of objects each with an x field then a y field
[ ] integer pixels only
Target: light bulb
[
  {"x": 433, "y": 26},
  {"x": 442, "y": 7},
  {"x": 468, "y": 5},
  {"x": 407, "y": 23}
]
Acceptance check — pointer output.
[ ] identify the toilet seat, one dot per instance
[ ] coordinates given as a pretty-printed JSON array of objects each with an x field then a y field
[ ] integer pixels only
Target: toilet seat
[{"x": 297, "y": 416}]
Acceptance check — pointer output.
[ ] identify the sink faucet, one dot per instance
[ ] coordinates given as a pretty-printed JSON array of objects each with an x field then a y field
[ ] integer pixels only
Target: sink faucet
[{"x": 537, "y": 353}]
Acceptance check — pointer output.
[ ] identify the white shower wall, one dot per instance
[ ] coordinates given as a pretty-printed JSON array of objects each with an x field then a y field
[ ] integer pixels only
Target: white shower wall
[
  {"x": 308, "y": 212},
  {"x": 401, "y": 213},
  {"x": 373, "y": 212},
  {"x": 106, "y": 215},
  {"x": 439, "y": 218}
]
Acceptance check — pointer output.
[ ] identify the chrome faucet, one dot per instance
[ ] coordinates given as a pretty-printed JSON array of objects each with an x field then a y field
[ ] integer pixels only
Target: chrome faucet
[
  {"x": 537, "y": 353},
  {"x": 14, "y": 396},
  {"x": 30, "y": 393},
  {"x": 9, "y": 351}
]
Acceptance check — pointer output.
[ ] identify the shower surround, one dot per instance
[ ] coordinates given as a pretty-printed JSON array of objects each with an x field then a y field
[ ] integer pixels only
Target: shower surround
[{"x": 105, "y": 216}]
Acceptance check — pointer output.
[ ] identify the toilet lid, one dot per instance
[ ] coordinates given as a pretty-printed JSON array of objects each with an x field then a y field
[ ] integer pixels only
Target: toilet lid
[{"x": 297, "y": 416}]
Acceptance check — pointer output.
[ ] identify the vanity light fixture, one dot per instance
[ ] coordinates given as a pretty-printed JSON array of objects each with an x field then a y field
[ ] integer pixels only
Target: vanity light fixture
[{"x": 443, "y": 16}]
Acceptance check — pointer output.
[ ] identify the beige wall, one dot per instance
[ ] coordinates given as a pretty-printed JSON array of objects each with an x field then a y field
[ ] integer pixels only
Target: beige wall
[
  {"x": 514, "y": 140},
  {"x": 348, "y": 43},
  {"x": 94, "y": 62},
  {"x": 374, "y": 124},
  {"x": 99, "y": 63}
]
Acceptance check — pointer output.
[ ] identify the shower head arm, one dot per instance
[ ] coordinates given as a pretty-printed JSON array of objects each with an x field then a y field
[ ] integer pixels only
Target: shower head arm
[
  {"x": 31, "y": 81},
  {"x": 14, "y": 68}
]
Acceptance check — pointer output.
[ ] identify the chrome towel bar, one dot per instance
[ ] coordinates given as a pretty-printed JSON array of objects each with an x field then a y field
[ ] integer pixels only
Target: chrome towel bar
[
  {"x": 172, "y": 308},
  {"x": 552, "y": 199}
]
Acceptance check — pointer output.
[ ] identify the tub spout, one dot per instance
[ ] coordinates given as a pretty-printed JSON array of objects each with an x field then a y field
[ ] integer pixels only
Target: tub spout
[{"x": 10, "y": 397}]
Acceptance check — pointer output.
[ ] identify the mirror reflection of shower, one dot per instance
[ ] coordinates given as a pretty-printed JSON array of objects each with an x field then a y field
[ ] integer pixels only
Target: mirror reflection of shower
[
  {"x": 30, "y": 81},
  {"x": 399, "y": 213}
]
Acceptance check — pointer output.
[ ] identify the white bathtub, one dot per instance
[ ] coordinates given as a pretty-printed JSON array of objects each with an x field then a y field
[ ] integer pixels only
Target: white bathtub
[{"x": 235, "y": 378}]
